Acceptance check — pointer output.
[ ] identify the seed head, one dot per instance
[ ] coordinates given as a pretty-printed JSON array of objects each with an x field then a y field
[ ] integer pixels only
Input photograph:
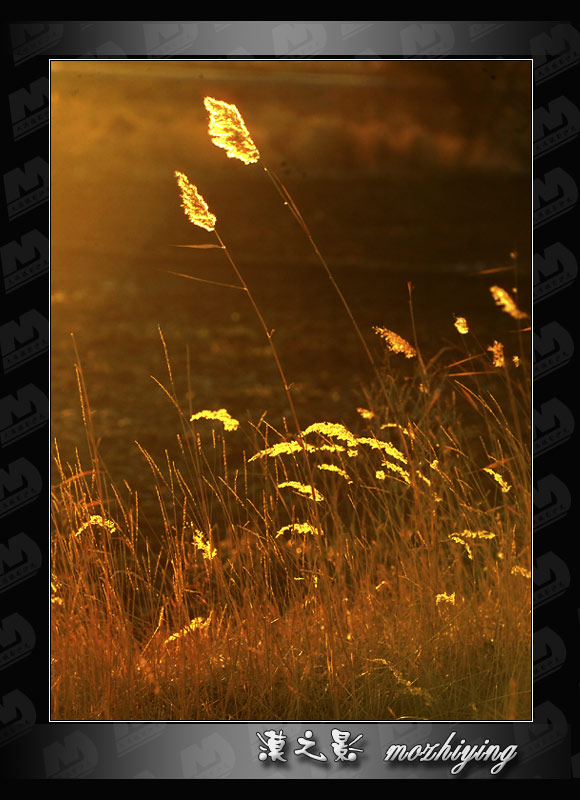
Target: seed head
[
  {"x": 195, "y": 207},
  {"x": 228, "y": 131},
  {"x": 396, "y": 343},
  {"x": 506, "y": 302}
]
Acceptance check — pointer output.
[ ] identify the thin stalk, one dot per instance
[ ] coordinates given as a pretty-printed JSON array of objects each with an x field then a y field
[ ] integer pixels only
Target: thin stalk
[
  {"x": 277, "y": 362},
  {"x": 420, "y": 357},
  {"x": 289, "y": 202}
]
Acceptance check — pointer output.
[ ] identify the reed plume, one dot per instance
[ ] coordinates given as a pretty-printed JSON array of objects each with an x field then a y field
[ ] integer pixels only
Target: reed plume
[
  {"x": 195, "y": 208},
  {"x": 197, "y": 211},
  {"x": 228, "y": 131},
  {"x": 504, "y": 300},
  {"x": 229, "y": 423},
  {"x": 396, "y": 343},
  {"x": 496, "y": 349}
]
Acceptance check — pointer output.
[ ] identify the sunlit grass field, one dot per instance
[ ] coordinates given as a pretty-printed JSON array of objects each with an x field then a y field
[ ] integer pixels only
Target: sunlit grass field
[{"x": 373, "y": 571}]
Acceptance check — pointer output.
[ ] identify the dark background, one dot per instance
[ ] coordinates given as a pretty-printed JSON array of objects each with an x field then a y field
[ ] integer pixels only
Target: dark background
[{"x": 404, "y": 171}]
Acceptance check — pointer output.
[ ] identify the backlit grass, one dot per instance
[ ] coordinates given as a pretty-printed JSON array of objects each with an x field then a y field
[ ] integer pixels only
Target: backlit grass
[{"x": 374, "y": 572}]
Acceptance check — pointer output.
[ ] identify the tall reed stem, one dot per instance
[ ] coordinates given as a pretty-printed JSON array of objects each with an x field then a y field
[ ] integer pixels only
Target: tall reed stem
[
  {"x": 276, "y": 360},
  {"x": 289, "y": 203}
]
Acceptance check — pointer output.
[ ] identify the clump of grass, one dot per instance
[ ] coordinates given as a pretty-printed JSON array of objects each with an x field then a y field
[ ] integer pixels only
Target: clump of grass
[
  {"x": 377, "y": 573},
  {"x": 406, "y": 594}
]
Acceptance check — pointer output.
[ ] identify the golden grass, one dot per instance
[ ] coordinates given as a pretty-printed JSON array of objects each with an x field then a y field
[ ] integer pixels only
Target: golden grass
[
  {"x": 505, "y": 301},
  {"x": 403, "y": 591},
  {"x": 406, "y": 595},
  {"x": 396, "y": 343},
  {"x": 195, "y": 208},
  {"x": 228, "y": 130}
]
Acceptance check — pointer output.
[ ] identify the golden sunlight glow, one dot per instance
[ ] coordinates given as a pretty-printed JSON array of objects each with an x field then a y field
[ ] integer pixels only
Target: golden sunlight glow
[
  {"x": 445, "y": 598},
  {"x": 334, "y": 468},
  {"x": 395, "y": 343},
  {"x": 333, "y": 430},
  {"x": 204, "y": 545},
  {"x": 229, "y": 423},
  {"x": 496, "y": 349},
  {"x": 281, "y": 449},
  {"x": 403, "y": 430},
  {"x": 476, "y": 534},
  {"x": 299, "y": 527},
  {"x": 460, "y": 538},
  {"x": 228, "y": 131},
  {"x": 387, "y": 447},
  {"x": 288, "y": 448},
  {"x": 461, "y": 325},
  {"x": 525, "y": 573},
  {"x": 96, "y": 519},
  {"x": 193, "y": 204},
  {"x": 197, "y": 624},
  {"x": 506, "y": 302},
  {"x": 498, "y": 478},
  {"x": 380, "y": 475},
  {"x": 309, "y": 491}
]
